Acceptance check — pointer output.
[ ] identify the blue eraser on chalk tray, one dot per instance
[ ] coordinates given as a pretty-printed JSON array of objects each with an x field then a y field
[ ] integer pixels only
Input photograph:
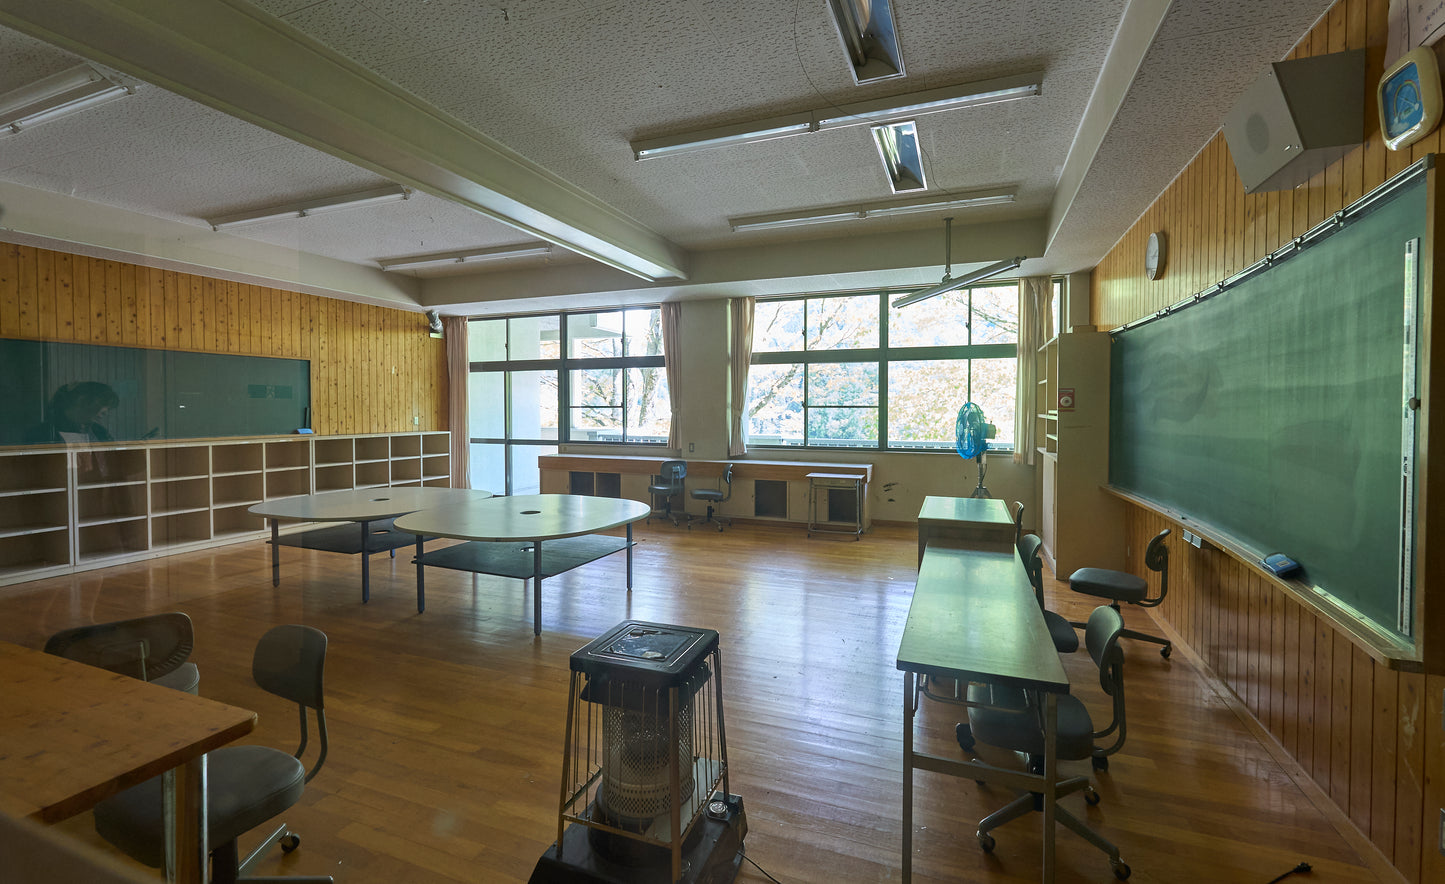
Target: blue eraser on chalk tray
[{"x": 1280, "y": 565}]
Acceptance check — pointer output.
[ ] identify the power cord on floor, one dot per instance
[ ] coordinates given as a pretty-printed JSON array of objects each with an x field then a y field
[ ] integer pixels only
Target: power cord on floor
[
  {"x": 1300, "y": 869},
  {"x": 742, "y": 852}
]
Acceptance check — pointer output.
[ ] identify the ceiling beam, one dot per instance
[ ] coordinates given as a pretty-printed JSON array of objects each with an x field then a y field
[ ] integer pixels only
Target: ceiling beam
[{"x": 235, "y": 58}]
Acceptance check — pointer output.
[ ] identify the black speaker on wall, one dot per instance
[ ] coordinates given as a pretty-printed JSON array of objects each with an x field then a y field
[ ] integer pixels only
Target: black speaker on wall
[{"x": 1298, "y": 117}]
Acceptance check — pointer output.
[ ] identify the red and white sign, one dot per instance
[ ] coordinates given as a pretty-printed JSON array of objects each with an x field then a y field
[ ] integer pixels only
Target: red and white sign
[{"x": 1066, "y": 399}]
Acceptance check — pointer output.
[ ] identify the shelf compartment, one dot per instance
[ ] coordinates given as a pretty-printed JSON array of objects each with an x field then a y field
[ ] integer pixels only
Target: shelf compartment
[
  {"x": 178, "y": 528},
  {"x": 29, "y": 552},
  {"x": 436, "y": 466},
  {"x": 236, "y": 458},
  {"x": 436, "y": 443},
  {"x": 373, "y": 474},
  {"x": 334, "y": 477},
  {"x": 32, "y": 472},
  {"x": 109, "y": 466},
  {"x": 180, "y": 463},
  {"x": 288, "y": 483},
  {"x": 244, "y": 488},
  {"x": 229, "y": 521},
  {"x": 373, "y": 448},
  {"x": 40, "y": 511},
  {"x": 408, "y": 470},
  {"x": 334, "y": 451},
  {"x": 180, "y": 494},
  {"x": 443, "y": 482},
  {"x": 112, "y": 539},
  {"x": 770, "y": 499},
  {"x": 111, "y": 503},
  {"x": 286, "y": 455},
  {"x": 408, "y": 445}
]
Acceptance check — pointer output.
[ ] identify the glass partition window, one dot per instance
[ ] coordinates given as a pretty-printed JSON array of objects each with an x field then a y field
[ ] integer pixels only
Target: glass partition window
[
  {"x": 580, "y": 377},
  {"x": 851, "y": 371}
]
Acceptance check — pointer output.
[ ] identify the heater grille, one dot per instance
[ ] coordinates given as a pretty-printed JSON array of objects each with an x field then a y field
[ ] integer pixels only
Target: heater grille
[{"x": 637, "y": 751}]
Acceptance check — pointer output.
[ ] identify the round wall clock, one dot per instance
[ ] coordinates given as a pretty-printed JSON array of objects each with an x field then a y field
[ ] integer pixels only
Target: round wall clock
[
  {"x": 1409, "y": 95},
  {"x": 1156, "y": 255}
]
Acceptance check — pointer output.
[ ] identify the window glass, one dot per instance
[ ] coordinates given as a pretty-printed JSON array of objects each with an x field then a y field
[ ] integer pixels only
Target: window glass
[
  {"x": 533, "y": 405},
  {"x": 993, "y": 384},
  {"x": 485, "y": 411},
  {"x": 649, "y": 411},
  {"x": 996, "y": 315},
  {"x": 594, "y": 335},
  {"x": 844, "y": 323},
  {"x": 778, "y": 326},
  {"x": 942, "y": 323},
  {"x": 643, "y": 332},
  {"x": 487, "y": 467},
  {"x": 486, "y": 340},
  {"x": 923, "y": 402},
  {"x": 533, "y": 337},
  {"x": 775, "y": 405}
]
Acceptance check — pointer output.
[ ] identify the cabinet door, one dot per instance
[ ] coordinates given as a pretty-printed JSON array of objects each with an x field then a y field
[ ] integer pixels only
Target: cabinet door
[{"x": 1049, "y": 521}]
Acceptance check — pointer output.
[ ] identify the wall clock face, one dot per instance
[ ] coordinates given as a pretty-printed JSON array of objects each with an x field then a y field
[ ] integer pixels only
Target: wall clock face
[
  {"x": 1155, "y": 255},
  {"x": 1410, "y": 104}
]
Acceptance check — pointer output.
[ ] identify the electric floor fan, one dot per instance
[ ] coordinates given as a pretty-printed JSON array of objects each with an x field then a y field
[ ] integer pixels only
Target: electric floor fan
[{"x": 971, "y": 434}]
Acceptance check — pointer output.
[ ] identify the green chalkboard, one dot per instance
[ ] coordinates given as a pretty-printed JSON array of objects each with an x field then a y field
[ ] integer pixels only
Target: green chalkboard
[
  {"x": 58, "y": 392},
  {"x": 1276, "y": 410}
]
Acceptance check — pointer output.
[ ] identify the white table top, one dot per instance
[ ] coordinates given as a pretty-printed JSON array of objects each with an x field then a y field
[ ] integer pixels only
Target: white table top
[
  {"x": 364, "y": 504},
  {"x": 524, "y": 517},
  {"x": 975, "y": 510}
]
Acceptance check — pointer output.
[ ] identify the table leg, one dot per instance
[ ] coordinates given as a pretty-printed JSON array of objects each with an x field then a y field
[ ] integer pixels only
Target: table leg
[
  {"x": 1051, "y": 779},
  {"x": 275, "y": 552},
  {"x": 420, "y": 578},
  {"x": 183, "y": 791},
  {"x": 629, "y": 557},
  {"x": 537, "y": 587},
  {"x": 365, "y": 563},
  {"x": 909, "y": 695}
]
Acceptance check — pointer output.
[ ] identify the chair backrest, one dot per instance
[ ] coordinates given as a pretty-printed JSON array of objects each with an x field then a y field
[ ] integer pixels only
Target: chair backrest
[
  {"x": 1029, "y": 550},
  {"x": 142, "y": 647},
  {"x": 1018, "y": 522},
  {"x": 728, "y": 481},
  {"x": 290, "y": 662},
  {"x": 1101, "y": 637},
  {"x": 674, "y": 470},
  {"x": 1156, "y": 558}
]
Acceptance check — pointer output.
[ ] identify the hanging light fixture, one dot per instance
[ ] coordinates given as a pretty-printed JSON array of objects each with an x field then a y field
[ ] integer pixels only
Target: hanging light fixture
[{"x": 949, "y": 284}]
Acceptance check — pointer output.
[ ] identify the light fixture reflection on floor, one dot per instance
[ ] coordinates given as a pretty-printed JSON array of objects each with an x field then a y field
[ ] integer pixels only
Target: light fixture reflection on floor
[
  {"x": 57, "y": 95},
  {"x": 644, "y": 771},
  {"x": 466, "y": 256},
  {"x": 306, "y": 208},
  {"x": 971, "y": 199}
]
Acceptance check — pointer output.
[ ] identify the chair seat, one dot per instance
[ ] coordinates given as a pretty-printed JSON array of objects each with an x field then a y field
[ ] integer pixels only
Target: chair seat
[
  {"x": 186, "y": 678},
  {"x": 1108, "y": 584},
  {"x": 1066, "y": 638},
  {"x": 1016, "y": 727},
  {"x": 246, "y": 786},
  {"x": 709, "y": 494}
]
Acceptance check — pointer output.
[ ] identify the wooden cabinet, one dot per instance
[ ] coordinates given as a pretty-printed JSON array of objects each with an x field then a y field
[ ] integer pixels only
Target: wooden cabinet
[
  {"x": 1082, "y": 526},
  {"x": 70, "y": 509}
]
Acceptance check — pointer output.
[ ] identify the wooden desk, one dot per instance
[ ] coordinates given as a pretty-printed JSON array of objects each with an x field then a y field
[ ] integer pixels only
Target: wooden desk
[
  {"x": 71, "y": 735},
  {"x": 503, "y": 527},
  {"x": 362, "y": 506},
  {"x": 968, "y": 522},
  {"x": 974, "y": 618}
]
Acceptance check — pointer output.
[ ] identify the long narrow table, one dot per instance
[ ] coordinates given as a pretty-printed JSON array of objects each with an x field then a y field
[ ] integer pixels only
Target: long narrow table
[
  {"x": 72, "y": 735},
  {"x": 360, "y": 507},
  {"x": 977, "y": 523},
  {"x": 508, "y": 534},
  {"x": 974, "y": 618}
]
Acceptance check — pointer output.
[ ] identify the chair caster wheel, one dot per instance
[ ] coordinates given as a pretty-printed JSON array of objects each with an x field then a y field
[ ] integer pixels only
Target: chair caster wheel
[
  {"x": 1100, "y": 763},
  {"x": 719, "y": 529},
  {"x": 1163, "y": 652},
  {"x": 1091, "y": 797},
  {"x": 1121, "y": 869},
  {"x": 964, "y": 734},
  {"x": 290, "y": 842},
  {"x": 985, "y": 841}
]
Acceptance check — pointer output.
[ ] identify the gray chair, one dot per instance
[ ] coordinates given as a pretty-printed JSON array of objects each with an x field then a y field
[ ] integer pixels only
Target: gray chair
[
  {"x": 246, "y": 785},
  {"x": 154, "y": 648},
  {"x": 715, "y": 496},
  {"x": 1121, "y": 586},
  {"x": 667, "y": 485},
  {"x": 1066, "y": 640},
  {"x": 1010, "y": 718},
  {"x": 1018, "y": 522}
]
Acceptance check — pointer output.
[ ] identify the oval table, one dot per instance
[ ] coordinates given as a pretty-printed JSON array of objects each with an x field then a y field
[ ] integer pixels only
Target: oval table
[
  {"x": 508, "y": 536},
  {"x": 363, "y": 505}
]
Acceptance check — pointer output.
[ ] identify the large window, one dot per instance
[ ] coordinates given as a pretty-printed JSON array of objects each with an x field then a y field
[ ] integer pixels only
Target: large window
[
  {"x": 850, "y": 371},
  {"x": 574, "y": 377}
]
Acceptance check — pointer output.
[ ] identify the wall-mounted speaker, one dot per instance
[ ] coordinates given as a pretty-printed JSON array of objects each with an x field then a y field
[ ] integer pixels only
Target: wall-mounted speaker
[
  {"x": 1298, "y": 117},
  {"x": 434, "y": 323}
]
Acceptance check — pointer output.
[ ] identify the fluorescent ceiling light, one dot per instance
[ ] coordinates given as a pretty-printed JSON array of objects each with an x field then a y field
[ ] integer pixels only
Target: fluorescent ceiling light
[
  {"x": 972, "y": 199},
  {"x": 870, "y": 38},
  {"x": 472, "y": 256},
  {"x": 305, "y": 208},
  {"x": 55, "y": 96},
  {"x": 882, "y": 110},
  {"x": 897, "y": 145},
  {"x": 949, "y": 284}
]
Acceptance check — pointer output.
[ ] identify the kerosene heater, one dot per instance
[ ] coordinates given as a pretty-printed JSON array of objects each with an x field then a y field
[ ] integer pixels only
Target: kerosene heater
[{"x": 644, "y": 772}]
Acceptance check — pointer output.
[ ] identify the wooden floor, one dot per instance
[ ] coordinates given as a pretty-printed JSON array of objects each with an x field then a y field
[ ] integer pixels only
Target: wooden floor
[{"x": 447, "y": 726}]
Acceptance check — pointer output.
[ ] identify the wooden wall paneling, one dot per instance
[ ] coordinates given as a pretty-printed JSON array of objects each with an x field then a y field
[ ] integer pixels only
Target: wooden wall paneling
[
  {"x": 9, "y": 289},
  {"x": 1409, "y": 772},
  {"x": 1252, "y": 623},
  {"x": 64, "y": 296},
  {"x": 1385, "y": 760},
  {"x": 1323, "y": 685},
  {"x": 28, "y": 296},
  {"x": 1342, "y": 691},
  {"x": 1362, "y": 723},
  {"x": 1305, "y": 742},
  {"x": 1432, "y": 865},
  {"x": 114, "y": 304},
  {"x": 1274, "y": 723},
  {"x": 45, "y": 294},
  {"x": 156, "y": 300}
]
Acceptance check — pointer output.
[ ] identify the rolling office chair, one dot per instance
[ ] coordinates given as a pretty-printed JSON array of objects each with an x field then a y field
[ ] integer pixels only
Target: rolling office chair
[
  {"x": 247, "y": 785},
  {"x": 1018, "y": 522},
  {"x": 667, "y": 485},
  {"x": 1119, "y": 586},
  {"x": 1012, "y": 720},
  {"x": 712, "y": 496},
  {"x": 1066, "y": 640},
  {"x": 152, "y": 648}
]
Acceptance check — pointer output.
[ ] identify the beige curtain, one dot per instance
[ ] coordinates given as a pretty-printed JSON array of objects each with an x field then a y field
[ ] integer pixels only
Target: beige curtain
[
  {"x": 1035, "y": 319},
  {"x": 671, "y": 359},
  {"x": 454, "y": 328},
  {"x": 742, "y": 358}
]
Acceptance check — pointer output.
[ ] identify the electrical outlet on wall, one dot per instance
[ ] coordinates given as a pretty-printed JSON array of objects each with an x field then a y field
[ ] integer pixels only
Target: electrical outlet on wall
[{"x": 691, "y": 447}]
